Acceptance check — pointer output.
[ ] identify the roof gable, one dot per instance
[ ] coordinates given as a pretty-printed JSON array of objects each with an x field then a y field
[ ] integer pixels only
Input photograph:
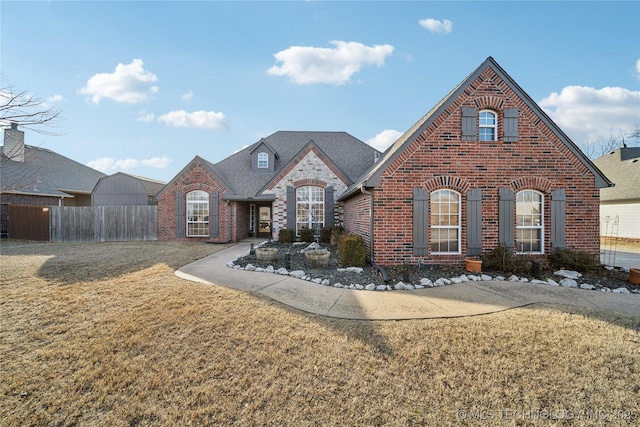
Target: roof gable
[
  {"x": 347, "y": 154},
  {"x": 197, "y": 160},
  {"x": 372, "y": 177}
]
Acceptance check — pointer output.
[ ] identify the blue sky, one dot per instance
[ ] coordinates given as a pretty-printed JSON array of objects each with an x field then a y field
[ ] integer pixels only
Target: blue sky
[{"x": 145, "y": 86}]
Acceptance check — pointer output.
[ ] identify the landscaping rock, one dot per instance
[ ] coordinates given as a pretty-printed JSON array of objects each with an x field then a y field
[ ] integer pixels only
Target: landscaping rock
[
  {"x": 370, "y": 287},
  {"x": 569, "y": 274},
  {"x": 587, "y": 286},
  {"x": 621, "y": 291},
  {"x": 569, "y": 283}
]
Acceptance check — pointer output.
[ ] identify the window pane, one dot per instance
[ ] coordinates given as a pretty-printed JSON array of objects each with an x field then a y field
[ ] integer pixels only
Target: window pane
[{"x": 445, "y": 221}]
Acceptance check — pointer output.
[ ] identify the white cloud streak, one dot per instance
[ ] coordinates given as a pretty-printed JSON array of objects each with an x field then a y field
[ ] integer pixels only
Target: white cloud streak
[
  {"x": 637, "y": 69},
  {"x": 129, "y": 83},
  {"x": 109, "y": 165},
  {"x": 197, "y": 119},
  {"x": 588, "y": 114},
  {"x": 187, "y": 96},
  {"x": 384, "y": 139},
  {"x": 436, "y": 26},
  {"x": 143, "y": 116},
  {"x": 308, "y": 65}
]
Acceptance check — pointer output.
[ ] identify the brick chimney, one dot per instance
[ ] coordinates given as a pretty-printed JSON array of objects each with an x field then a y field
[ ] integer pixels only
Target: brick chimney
[{"x": 14, "y": 143}]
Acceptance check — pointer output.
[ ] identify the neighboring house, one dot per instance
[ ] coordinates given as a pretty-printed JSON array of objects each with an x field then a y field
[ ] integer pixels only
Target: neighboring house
[
  {"x": 288, "y": 180},
  {"x": 621, "y": 166},
  {"x": 121, "y": 189},
  {"x": 486, "y": 166},
  {"x": 39, "y": 177}
]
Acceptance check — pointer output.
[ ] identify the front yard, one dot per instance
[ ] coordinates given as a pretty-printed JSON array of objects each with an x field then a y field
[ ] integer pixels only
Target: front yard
[{"x": 105, "y": 334}]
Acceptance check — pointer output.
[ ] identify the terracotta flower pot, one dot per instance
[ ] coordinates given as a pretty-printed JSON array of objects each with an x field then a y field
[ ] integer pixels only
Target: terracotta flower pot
[
  {"x": 473, "y": 265},
  {"x": 634, "y": 276}
]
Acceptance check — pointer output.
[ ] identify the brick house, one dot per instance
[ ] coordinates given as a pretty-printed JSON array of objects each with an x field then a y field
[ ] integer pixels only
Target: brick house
[
  {"x": 37, "y": 176},
  {"x": 286, "y": 180},
  {"x": 486, "y": 166}
]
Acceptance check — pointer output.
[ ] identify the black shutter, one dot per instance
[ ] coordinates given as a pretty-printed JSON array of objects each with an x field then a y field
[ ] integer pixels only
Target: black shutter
[
  {"x": 179, "y": 214},
  {"x": 558, "y": 219},
  {"x": 474, "y": 222},
  {"x": 506, "y": 215},
  {"x": 291, "y": 208},
  {"x": 511, "y": 125},
  {"x": 469, "y": 124},
  {"x": 420, "y": 222},
  {"x": 213, "y": 214},
  {"x": 328, "y": 206}
]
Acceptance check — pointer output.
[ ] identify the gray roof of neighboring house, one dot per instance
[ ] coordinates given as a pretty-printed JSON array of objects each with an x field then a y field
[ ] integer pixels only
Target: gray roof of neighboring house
[
  {"x": 350, "y": 155},
  {"x": 46, "y": 173},
  {"x": 372, "y": 177},
  {"x": 151, "y": 186},
  {"x": 622, "y": 167}
]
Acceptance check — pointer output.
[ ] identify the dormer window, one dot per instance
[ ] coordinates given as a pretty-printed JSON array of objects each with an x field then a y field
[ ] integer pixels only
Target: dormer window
[
  {"x": 263, "y": 160},
  {"x": 487, "y": 125}
]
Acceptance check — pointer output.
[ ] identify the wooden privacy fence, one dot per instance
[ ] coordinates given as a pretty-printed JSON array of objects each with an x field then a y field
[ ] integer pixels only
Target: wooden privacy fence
[
  {"x": 28, "y": 222},
  {"x": 103, "y": 223}
]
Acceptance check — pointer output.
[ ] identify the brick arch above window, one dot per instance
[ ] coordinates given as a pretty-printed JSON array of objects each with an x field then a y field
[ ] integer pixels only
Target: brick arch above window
[
  {"x": 309, "y": 182},
  {"x": 532, "y": 183},
  {"x": 456, "y": 183},
  {"x": 489, "y": 103}
]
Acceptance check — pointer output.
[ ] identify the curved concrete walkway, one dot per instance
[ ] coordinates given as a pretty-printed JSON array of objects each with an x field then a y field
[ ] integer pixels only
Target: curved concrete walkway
[{"x": 464, "y": 299}]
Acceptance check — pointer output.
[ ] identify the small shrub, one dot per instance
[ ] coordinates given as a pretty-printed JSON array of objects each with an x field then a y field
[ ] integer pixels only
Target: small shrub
[
  {"x": 306, "y": 235},
  {"x": 325, "y": 235},
  {"x": 351, "y": 251},
  {"x": 336, "y": 232},
  {"x": 574, "y": 259},
  {"x": 286, "y": 235},
  {"x": 502, "y": 259}
]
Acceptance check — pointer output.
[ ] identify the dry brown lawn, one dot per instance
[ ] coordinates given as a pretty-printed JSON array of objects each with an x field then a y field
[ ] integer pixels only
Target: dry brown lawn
[{"x": 105, "y": 334}]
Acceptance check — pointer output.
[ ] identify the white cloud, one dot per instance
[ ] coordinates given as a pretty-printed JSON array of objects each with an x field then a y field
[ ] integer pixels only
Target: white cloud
[
  {"x": 156, "y": 162},
  {"x": 129, "y": 83},
  {"x": 637, "y": 69},
  {"x": 436, "y": 26},
  {"x": 187, "y": 96},
  {"x": 109, "y": 165},
  {"x": 306, "y": 65},
  {"x": 384, "y": 139},
  {"x": 56, "y": 99},
  {"x": 197, "y": 119},
  {"x": 143, "y": 116},
  {"x": 587, "y": 114}
]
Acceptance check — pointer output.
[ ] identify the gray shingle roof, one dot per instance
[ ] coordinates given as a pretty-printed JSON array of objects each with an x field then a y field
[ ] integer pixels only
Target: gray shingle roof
[
  {"x": 45, "y": 172},
  {"x": 622, "y": 167},
  {"x": 350, "y": 155}
]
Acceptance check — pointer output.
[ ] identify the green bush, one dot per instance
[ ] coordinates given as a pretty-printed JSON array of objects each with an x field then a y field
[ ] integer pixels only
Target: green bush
[
  {"x": 574, "y": 259},
  {"x": 306, "y": 235},
  {"x": 286, "y": 235},
  {"x": 325, "y": 235},
  {"x": 351, "y": 251}
]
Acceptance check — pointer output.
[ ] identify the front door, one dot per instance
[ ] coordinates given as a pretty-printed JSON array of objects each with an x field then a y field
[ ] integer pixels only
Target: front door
[{"x": 264, "y": 221}]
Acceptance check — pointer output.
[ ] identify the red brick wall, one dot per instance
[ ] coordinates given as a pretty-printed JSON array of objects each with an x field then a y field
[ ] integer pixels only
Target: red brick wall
[
  {"x": 438, "y": 158},
  {"x": 357, "y": 217},
  {"x": 195, "y": 176}
]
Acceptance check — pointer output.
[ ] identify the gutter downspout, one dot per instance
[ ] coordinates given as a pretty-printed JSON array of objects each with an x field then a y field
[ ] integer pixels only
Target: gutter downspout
[{"x": 381, "y": 269}]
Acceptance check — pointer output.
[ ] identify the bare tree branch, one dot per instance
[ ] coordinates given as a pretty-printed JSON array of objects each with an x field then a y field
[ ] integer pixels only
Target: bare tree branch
[{"x": 25, "y": 111}]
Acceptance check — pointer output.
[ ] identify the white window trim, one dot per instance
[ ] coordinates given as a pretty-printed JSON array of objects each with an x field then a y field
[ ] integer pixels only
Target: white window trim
[
  {"x": 264, "y": 158},
  {"x": 531, "y": 227},
  {"x": 310, "y": 206},
  {"x": 494, "y": 126},
  {"x": 193, "y": 202},
  {"x": 448, "y": 227}
]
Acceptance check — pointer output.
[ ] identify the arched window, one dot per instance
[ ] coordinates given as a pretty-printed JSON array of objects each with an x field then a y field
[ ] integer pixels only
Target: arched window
[
  {"x": 444, "y": 222},
  {"x": 488, "y": 125},
  {"x": 529, "y": 222},
  {"x": 309, "y": 208},
  {"x": 263, "y": 160},
  {"x": 197, "y": 214}
]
